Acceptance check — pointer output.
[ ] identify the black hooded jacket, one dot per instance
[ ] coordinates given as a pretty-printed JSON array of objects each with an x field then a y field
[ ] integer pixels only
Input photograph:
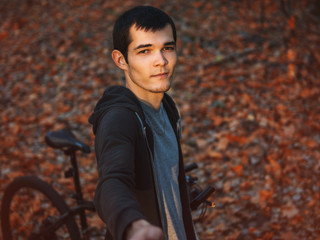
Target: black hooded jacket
[{"x": 127, "y": 189}]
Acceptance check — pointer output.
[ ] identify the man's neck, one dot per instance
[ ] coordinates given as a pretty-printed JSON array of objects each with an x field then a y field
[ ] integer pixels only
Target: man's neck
[
  {"x": 152, "y": 102},
  {"x": 149, "y": 98}
]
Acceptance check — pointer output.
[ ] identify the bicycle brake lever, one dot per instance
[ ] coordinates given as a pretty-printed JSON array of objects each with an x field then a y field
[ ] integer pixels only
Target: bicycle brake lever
[{"x": 201, "y": 197}]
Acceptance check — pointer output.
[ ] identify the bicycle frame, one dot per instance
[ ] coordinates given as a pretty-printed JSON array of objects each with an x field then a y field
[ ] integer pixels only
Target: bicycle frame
[
  {"x": 62, "y": 219},
  {"x": 82, "y": 205}
]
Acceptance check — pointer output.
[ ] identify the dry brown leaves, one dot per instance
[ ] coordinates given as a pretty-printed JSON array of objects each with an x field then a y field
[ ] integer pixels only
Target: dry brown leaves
[{"x": 247, "y": 86}]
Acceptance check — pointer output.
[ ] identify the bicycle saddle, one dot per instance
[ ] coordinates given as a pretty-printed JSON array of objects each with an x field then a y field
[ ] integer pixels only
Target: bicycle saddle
[{"x": 64, "y": 138}]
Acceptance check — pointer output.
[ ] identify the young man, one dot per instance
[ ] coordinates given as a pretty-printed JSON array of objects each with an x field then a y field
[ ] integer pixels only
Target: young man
[{"x": 142, "y": 193}]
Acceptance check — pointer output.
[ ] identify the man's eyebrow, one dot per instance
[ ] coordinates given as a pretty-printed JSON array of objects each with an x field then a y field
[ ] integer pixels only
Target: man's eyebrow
[
  {"x": 142, "y": 46},
  {"x": 150, "y": 45},
  {"x": 170, "y": 43}
]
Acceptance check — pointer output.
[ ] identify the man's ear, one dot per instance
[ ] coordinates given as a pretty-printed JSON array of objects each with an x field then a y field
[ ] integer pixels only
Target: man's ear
[{"x": 119, "y": 59}]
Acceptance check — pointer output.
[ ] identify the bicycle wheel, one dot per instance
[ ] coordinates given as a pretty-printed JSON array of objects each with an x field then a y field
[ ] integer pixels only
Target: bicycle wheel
[{"x": 29, "y": 205}]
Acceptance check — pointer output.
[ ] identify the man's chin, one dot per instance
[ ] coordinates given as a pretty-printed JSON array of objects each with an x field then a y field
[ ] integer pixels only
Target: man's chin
[{"x": 161, "y": 90}]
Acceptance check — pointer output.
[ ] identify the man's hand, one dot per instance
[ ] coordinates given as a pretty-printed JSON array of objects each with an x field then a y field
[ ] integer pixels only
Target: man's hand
[{"x": 142, "y": 230}]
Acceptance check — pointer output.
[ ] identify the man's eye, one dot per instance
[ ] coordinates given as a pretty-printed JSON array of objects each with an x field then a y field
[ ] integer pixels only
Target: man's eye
[
  {"x": 143, "y": 51},
  {"x": 168, "y": 48}
]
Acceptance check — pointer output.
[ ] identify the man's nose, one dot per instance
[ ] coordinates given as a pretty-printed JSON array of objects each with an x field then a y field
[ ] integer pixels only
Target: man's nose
[{"x": 160, "y": 59}]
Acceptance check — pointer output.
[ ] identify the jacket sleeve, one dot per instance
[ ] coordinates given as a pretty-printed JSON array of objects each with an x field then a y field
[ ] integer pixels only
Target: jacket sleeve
[{"x": 115, "y": 150}]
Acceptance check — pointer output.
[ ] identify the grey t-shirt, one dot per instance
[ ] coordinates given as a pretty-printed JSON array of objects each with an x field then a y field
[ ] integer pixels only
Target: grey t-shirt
[{"x": 166, "y": 161}]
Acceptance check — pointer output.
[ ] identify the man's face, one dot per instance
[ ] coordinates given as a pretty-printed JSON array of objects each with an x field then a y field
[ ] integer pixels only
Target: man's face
[{"x": 151, "y": 60}]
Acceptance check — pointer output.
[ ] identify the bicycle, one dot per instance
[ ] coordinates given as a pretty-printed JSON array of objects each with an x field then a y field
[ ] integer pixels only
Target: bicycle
[{"x": 60, "y": 221}]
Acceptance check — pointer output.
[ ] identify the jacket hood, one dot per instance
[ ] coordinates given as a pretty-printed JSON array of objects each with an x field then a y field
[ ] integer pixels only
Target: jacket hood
[
  {"x": 115, "y": 96},
  {"x": 119, "y": 96}
]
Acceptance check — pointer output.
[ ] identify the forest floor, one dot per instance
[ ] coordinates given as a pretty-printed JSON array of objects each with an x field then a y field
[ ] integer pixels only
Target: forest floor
[{"x": 247, "y": 86}]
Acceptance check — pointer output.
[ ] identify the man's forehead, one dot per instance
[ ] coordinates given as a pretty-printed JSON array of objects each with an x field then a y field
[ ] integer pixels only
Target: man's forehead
[{"x": 142, "y": 36}]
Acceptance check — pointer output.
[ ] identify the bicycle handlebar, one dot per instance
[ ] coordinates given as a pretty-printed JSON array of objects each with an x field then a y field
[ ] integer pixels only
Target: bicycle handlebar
[{"x": 190, "y": 167}]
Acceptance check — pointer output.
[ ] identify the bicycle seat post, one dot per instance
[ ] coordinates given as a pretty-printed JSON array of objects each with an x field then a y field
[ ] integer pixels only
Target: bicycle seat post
[{"x": 76, "y": 179}]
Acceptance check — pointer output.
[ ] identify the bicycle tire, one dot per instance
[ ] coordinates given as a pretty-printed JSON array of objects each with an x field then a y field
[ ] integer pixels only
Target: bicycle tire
[{"x": 34, "y": 185}]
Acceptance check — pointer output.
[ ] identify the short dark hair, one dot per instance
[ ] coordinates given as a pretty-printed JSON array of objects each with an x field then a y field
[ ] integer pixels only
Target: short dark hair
[{"x": 145, "y": 18}]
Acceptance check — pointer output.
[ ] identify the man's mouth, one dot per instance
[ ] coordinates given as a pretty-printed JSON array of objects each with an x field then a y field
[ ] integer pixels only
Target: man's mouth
[{"x": 160, "y": 75}]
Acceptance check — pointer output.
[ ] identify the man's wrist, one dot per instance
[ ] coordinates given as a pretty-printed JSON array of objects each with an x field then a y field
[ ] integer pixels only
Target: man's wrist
[{"x": 134, "y": 226}]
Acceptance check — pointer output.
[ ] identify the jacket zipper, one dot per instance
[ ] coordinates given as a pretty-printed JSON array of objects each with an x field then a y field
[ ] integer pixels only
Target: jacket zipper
[
  {"x": 153, "y": 170},
  {"x": 179, "y": 129}
]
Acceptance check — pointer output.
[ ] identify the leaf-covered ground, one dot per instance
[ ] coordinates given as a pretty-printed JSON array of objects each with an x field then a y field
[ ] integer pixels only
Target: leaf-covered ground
[{"x": 247, "y": 86}]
